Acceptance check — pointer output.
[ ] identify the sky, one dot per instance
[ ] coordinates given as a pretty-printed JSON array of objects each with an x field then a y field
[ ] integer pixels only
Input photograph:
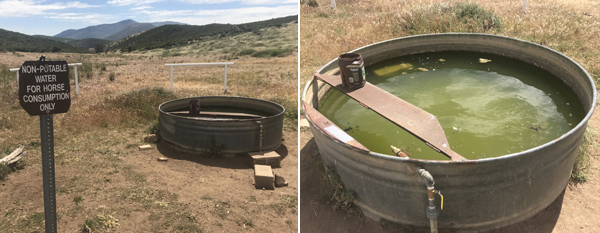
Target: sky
[{"x": 50, "y": 17}]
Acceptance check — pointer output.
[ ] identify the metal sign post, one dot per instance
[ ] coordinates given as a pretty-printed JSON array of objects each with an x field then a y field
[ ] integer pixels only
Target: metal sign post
[
  {"x": 44, "y": 89},
  {"x": 47, "y": 136}
]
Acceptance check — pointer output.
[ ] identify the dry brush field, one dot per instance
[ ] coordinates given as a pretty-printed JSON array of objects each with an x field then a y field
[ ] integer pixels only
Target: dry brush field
[{"x": 105, "y": 183}]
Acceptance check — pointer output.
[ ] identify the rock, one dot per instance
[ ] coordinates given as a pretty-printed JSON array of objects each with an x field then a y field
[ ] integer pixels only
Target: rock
[
  {"x": 271, "y": 158},
  {"x": 280, "y": 181},
  {"x": 163, "y": 159},
  {"x": 151, "y": 138},
  {"x": 144, "y": 147},
  {"x": 263, "y": 177}
]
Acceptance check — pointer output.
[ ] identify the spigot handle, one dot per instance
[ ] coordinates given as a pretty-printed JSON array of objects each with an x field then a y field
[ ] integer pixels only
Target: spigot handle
[{"x": 441, "y": 199}]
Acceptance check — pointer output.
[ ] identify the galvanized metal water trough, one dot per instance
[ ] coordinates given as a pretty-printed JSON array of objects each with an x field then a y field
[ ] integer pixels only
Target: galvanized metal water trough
[
  {"x": 239, "y": 125},
  {"x": 478, "y": 194}
]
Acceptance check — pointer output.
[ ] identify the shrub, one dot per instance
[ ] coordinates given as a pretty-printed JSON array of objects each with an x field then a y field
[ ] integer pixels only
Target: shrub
[
  {"x": 272, "y": 53},
  {"x": 460, "y": 17},
  {"x": 142, "y": 102},
  {"x": 311, "y": 3},
  {"x": 247, "y": 52}
]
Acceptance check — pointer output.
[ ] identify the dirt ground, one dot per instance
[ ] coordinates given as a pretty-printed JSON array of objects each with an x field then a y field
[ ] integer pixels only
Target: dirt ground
[
  {"x": 574, "y": 211},
  {"x": 195, "y": 185}
]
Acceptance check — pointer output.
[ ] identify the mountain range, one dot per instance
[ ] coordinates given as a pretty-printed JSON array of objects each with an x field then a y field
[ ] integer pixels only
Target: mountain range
[
  {"x": 112, "y": 32},
  {"x": 129, "y": 35},
  {"x": 177, "y": 35},
  {"x": 14, "y": 41}
]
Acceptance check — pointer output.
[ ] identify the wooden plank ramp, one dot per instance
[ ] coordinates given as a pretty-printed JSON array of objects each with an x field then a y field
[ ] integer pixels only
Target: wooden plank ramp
[{"x": 413, "y": 119}]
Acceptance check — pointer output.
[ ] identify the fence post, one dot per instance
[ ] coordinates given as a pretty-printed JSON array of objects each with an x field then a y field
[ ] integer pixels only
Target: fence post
[
  {"x": 171, "y": 78},
  {"x": 76, "y": 82},
  {"x": 225, "y": 81},
  {"x": 16, "y": 70},
  {"x": 203, "y": 64},
  {"x": 333, "y": 3}
]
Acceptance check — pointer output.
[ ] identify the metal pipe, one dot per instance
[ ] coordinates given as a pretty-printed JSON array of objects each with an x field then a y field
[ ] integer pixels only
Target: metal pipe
[
  {"x": 426, "y": 176},
  {"x": 260, "y": 136},
  {"x": 431, "y": 211},
  {"x": 398, "y": 152},
  {"x": 200, "y": 64}
]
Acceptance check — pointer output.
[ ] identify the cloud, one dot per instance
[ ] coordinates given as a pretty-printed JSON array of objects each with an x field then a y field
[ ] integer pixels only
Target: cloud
[
  {"x": 131, "y": 2},
  {"x": 86, "y": 17},
  {"x": 139, "y": 8},
  {"x": 23, "y": 8},
  {"x": 242, "y": 15},
  {"x": 246, "y": 2}
]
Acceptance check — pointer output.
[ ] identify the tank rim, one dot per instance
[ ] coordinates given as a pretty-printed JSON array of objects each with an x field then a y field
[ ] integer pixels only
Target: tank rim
[
  {"x": 581, "y": 124},
  {"x": 223, "y": 120}
]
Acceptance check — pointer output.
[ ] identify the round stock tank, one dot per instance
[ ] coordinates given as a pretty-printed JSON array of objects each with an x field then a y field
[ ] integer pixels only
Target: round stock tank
[
  {"x": 228, "y": 124},
  {"x": 479, "y": 194}
]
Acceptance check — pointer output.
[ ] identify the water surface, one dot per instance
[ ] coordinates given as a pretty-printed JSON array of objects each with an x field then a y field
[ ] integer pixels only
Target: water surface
[{"x": 487, "y": 105}]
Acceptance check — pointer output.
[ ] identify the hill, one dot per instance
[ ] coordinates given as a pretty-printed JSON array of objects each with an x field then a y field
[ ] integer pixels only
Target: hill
[
  {"x": 168, "y": 36},
  {"x": 130, "y": 30},
  {"x": 87, "y": 43},
  {"x": 60, "y": 39},
  {"x": 14, "y": 41}
]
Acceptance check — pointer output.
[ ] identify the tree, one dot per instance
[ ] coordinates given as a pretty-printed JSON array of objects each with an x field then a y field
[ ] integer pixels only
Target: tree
[{"x": 99, "y": 48}]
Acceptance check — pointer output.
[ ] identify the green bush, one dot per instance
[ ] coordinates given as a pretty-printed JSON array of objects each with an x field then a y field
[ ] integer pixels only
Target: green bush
[
  {"x": 272, "y": 53},
  {"x": 311, "y": 3},
  {"x": 6, "y": 169},
  {"x": 460, "y": 17},
  {"x": 142, "y": 102},
  {"x": 153, "y": 129},
  {"x": 86, "y": 70},
  {"x": 247, "y": 52},
  {"x": 6, "y": 76},
  {"x": 471, "y": 11}
]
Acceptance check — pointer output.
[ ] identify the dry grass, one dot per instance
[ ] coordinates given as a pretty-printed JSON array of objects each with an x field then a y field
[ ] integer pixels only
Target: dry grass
[
  {"x": 566, "y": 26},
  {"x": 582, "y": 162}
]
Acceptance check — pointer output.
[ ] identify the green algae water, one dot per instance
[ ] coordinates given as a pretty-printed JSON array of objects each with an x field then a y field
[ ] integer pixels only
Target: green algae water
[{"x": 488, "y": 105}]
